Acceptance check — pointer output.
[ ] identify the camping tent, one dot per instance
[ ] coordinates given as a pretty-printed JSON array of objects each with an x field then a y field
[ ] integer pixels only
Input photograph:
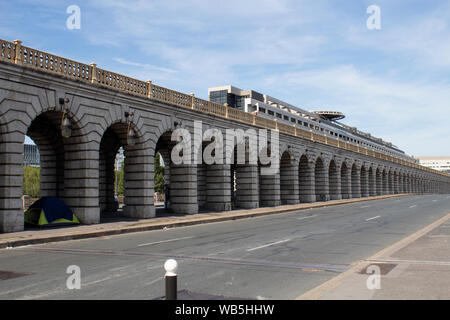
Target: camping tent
[{"x": 50, "y": 211}]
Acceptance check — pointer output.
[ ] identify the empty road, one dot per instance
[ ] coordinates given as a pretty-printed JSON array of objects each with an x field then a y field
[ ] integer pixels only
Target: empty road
[{"x": 278, "y": 256}]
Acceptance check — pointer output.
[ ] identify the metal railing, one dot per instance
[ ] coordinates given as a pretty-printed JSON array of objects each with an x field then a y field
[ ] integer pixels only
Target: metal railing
[{"x": 15, "y": 52}]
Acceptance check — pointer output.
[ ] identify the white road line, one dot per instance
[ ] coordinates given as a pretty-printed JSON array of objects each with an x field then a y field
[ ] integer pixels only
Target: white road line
[
  {"x": 163, "y": 241},
  {"x": 413, "y": 206},
  {"x": 434, "y": 200},
  {"x": 373, "y": 218},
  {"x": 307, "y": 217},
  {"x": 268, "y": 245},
  {"x": 365, "y": 206}
]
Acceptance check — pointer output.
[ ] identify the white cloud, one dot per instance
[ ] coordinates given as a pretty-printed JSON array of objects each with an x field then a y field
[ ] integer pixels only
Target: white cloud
[
  {"x": 423, "y": 39},
  {"x": 400, "y": 111}
]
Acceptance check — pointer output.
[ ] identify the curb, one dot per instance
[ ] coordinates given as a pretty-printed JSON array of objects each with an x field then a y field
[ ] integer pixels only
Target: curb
[{"x": 194, "y": 221}]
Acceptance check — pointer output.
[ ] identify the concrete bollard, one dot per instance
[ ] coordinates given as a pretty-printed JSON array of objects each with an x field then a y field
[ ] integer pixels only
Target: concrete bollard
[{"x": 171, "y": 279}]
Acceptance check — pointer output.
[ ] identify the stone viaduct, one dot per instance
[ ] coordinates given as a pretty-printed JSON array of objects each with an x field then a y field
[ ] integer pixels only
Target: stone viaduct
[{"x": 39, "y": 92}]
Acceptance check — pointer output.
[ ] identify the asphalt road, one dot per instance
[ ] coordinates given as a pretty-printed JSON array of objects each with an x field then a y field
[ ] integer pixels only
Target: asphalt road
[{"x": 278, "y": 256}]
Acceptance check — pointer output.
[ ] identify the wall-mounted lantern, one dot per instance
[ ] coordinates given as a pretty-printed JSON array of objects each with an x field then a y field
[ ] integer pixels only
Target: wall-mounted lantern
[
  {"x": 131, "y": 134},
  {"x": 66, "y": 126}
]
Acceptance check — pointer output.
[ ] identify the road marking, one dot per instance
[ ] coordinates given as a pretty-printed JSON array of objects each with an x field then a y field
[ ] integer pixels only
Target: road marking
[
  {"x": 443, "y": 263},
  {"x": 268, "y": 245},
  {"x": 307, "y": 217},
  {"x": 373, "y": 218},
  {"x": 163, "y": 241},
  {"x": 434, "y": 200},
  {"x": 413, "y": 206},
  {"x": 365, "y": 206}
]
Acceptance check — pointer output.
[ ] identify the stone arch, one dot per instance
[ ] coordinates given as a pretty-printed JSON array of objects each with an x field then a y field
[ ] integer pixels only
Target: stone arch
[
  {"x": 65, "y": 170},
  {"x": 138, "y": 166},
  {"x": 45, "y": 132},
  {"x": 184, "y": 181}
]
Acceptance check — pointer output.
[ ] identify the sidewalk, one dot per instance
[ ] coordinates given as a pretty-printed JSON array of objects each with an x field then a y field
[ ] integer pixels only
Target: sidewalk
[
  {"x": 415, "y": 268},
  {"x": 38, "y": 236}
]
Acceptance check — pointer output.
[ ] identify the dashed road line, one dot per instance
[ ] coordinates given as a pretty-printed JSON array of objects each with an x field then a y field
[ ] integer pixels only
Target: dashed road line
[
  {"x": 163, "y": 241},
  {"x": 268, "y": 245},
  {"x": 307, "y": 217},
  {"x": 373, "y": 218}
]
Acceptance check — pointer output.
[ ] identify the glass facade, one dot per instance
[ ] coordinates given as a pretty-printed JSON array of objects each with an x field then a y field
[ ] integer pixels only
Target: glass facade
[{"x": 31, "y": 155}]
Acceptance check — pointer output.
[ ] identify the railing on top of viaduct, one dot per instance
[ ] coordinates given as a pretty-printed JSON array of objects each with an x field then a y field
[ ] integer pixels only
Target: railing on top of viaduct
[{"x": 15, "y": 52}]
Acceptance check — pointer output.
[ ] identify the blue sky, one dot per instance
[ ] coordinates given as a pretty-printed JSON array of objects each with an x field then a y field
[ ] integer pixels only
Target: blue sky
[{"x": 393, "y": 82}]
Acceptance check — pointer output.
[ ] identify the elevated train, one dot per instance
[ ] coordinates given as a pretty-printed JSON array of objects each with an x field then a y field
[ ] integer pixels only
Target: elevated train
[{"x": 323, "y": 122}]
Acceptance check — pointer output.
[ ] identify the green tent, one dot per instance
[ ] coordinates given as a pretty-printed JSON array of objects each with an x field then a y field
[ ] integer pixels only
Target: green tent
[{"x": 49, "y": 211}]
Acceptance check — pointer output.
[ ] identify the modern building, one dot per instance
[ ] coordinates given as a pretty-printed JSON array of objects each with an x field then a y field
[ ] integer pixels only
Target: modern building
[
  {"x": 437, "y": 163},
  {"x": 31, "y": 155},
  {"x": 323, "y": 121}
]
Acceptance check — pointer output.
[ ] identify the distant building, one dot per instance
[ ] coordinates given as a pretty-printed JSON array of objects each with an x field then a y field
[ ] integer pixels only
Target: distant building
[
  {"x": 437, "y": 163},
  {"x": 31, "y": 155}
]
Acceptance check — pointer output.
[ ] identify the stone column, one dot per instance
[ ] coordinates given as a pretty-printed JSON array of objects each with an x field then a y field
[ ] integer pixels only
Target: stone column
[
  {"x": 269, "y": 189},
  {"x": 400, "y": 183},
  {"x": 322, "y": 183},
  {"x": 364, "y": 183},
  {"x": 379, "y": 182},
  {"x": 218, "y": 187},
  {"x": 356, "y": 183},
  {"x": 385, "y": 183},
  {"x": 201, "y": 186},
  {"x": 396, "y": 184},
  {"x": 346, "y": 182},
  {"x": 81, "y": 181},
  {"x": 307, "y": 187},
  {"x": 139, "y": 182},
  {"x": 335, "y": 184},
  {"x": 11, "y": 182},
  {"x": 247, "y": 185},
  {"x": 372, "y": 183},
  {"x": 183, "y": 189},
  {"x": 390, "y": 189},
  {"x": 289, "y": 189}
]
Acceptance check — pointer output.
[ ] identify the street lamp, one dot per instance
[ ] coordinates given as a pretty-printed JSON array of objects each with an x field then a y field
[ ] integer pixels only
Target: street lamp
[
  {"x": 131, "y": 134},
  {"x": 66, "y": 126}
]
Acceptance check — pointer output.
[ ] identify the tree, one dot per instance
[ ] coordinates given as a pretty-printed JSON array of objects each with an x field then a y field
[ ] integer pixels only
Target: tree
[
  {"x": 159, "y": 177},
  {"x": 119, "y": 179},
  {"x": 159, "y": 174},
  {"x": 31, "y": 181}
]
